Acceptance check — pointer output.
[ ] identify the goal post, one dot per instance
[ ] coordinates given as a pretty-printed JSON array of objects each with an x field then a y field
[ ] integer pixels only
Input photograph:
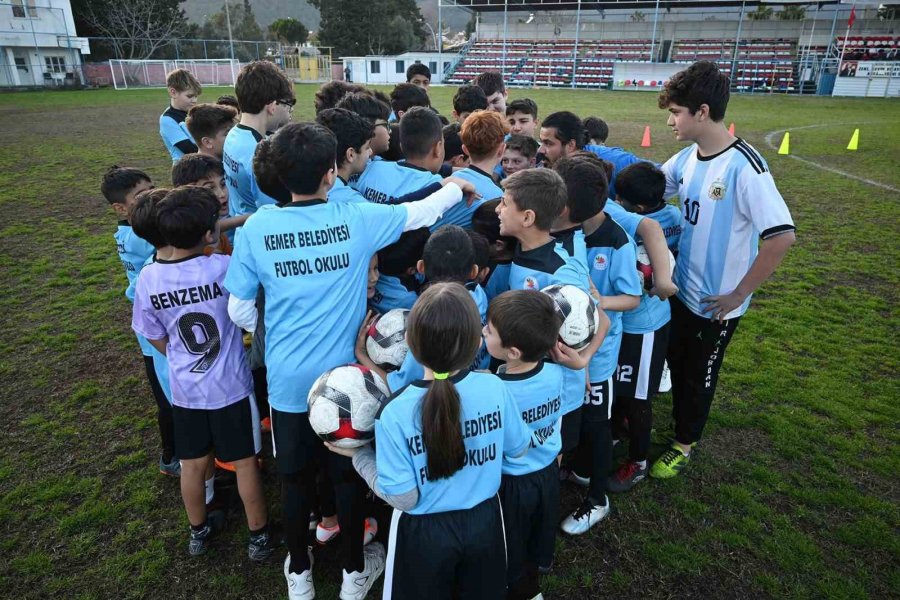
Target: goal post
[{"x": 135, "y": 74}]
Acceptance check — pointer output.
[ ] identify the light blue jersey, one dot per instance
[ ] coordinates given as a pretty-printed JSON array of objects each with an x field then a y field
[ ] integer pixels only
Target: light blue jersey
[
  {"x": 174, "y": 132},
  {"x": 244, "y": 196},
  {"x": 619, "y": 158},
  {"x": 613, "y": 269},
  {"x": 385, "y": 182},
  {"x": 134, "y": 251},
  {"x": 491, "y": 426},
  {"x": 411, "y": 369},
  {"x": 728, "y": 203},
  {"x": 390, "y": 293},
  {"x": 498, "y": 281},
  {"x": 311, "y": 259},
  {"x": 461, "y": 214},
  {"x": 341, "y": 192},
  {"x": 538, "y": 394}
]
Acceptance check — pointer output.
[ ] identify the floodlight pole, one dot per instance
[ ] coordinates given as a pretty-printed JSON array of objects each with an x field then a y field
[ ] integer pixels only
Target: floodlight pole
[
  {"x": 440, "y": 43},
  {"x": 808, "y": 46},
  {"x": 737, "y": 40},
  {"x": 653, "y": 39},
  {"x": 575, "y": 50},
  {"x": 503, "y": 59},
  {"x": 228, "y": 22}
]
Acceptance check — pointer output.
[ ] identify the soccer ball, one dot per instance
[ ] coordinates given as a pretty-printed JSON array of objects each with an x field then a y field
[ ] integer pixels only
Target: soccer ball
[
  {"x": 386, "y": 338},
  {"x": 579, "y": 313},
  {"x": 645, "y": 269},
  {"x": 343, "y": 403}
]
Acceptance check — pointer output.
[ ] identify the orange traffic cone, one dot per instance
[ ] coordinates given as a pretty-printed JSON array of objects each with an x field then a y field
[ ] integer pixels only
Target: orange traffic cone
[
  {"x": 645, "y": 143},
  {"x": 731, "y": 129}
]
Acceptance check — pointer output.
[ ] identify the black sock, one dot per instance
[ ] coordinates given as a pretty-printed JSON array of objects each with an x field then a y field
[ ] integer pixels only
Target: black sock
[
  {"x": 260, "y": 531},
  {"x": 199, "y": 527}
]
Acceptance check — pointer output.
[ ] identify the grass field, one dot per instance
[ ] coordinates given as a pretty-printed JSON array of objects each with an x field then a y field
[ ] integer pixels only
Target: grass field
[{"x": 792, "y": 493}]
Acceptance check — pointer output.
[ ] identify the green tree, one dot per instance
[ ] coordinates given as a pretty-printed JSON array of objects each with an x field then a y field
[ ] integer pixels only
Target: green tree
[
  {"x": 792, "y": 12},
  {"x": 135, "y": 29},
  {"x": 243, "y": 27},
  {"x": 289, "y": 31},
  {"x": 762, "y": 13},
  {"x": 356, "y": 28}
]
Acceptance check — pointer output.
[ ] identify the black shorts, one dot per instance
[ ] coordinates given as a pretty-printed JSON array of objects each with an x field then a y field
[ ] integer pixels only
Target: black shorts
[
  {"x": 641, "y": 360},
  {"x": 598, "y": 401},
  {"x": 459, "y": 553},
  {"x": 294, "y": 443},
  {"x": 530, "y": 518},
  {"x": 570, "y": 432},
  {"x": 231, "y": 432}
]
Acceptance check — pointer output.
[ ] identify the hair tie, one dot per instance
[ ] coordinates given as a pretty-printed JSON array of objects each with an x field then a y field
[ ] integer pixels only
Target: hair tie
[{"x": 441, "y": 375}]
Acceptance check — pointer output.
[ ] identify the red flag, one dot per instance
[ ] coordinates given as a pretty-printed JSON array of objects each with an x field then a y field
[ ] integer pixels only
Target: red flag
[{"x": 852, "y": 17}]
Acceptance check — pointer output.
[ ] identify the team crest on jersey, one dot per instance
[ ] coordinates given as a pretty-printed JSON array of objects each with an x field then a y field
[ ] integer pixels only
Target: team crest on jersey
[
  {"x": 717, "y": 190},
  {"x": 600, "y": 262},
  {"x": 530, "y": 283}
]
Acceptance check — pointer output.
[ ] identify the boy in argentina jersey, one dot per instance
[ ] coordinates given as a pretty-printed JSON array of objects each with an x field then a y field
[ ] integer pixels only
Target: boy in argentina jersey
[
  {"x": 266, "y": 97},
  {"x": 444, "y": 471},
  {"x": 121, "y": 187},
  {"x": 181, "y": 306},
  {"x": 522, "y": 329},
  {"x": 310, "y": 256},
  {"x": 612, "y": 266},
  {"x": 645, "y": 329},
  {"x": 183, "y": 90},
  {"x": 729, "y": 203}
]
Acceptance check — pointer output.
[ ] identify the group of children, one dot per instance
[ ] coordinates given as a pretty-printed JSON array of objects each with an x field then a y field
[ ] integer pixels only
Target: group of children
[{"x": 298, "y": 233}]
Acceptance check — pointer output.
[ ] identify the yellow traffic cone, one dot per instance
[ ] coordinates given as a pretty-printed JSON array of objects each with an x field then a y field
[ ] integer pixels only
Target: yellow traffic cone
[
  {"x": 785, "y": 147},
  {"x": 854, "y": 141}
]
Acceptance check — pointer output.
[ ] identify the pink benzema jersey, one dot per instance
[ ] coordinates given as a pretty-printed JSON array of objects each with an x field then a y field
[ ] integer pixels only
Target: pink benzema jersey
[{"x": 186, "y": 301}]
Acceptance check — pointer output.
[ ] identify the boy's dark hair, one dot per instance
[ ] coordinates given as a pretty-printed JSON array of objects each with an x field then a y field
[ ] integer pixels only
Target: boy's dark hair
[
  {"x": 527, "y": 321},
  {"x": 396, "y": 258},
  {"x": 420, "y": 130},
  {"x": 641, "y": 184},
  {"x": 469, "y": 98},
  {"x": 118, "y": 181},
  {"x": 482, "y": 249},
  {"x": 491, "y": 82},
  {"x": 486, "y": 222},
  {"x": 302, "y": 154},
  {"x": 259, "y": 83},
  {"x": 483, "y": 133},
  {"x": 449, "y": 255},
  {"x": 366, "y": 105},
  {"x": 394, "y": 151},
  {"x": 568, "y": 127},
  {"x": 190, "y": 168},
  {"x": 700, "y": 83},
  {"x": 452, "y": 142},
  {"x": 267, "y": 179},
  {"x": 444, "y": 120},
  {"x": 406, "y": 95},
  {"x": 144, "y": 219},
  {"x": 332, "y": 92},
  {"x": 417, "y": 69},
  {"x": 182, "y": 80},
  {"x": 541, "y": 191},
  {"x": 595, "y": 128},
  {"x": 587, "y": 185},
  {"x": 186, "y": 214},
  {"x": 523, "y": 144},
  {"x": 206, "y": 120},
  {"x": 228, "y": 100},
  {"x": 350, "y": 130},
  {"x": 522, "y": 105}
]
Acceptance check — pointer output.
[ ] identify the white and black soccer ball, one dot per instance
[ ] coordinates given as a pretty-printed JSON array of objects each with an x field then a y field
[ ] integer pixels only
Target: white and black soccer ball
[
  {"x": 343, "y": 403},
  {"x": 645, "y": 269},
  {"x": 579, "y": 313},
  {"x": 386, "y": 338}
]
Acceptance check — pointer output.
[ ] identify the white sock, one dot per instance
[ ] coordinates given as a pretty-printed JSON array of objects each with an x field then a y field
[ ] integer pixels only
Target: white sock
[
  {"x": 210, "y": 489},
  {"x": 641, "y": 463}
]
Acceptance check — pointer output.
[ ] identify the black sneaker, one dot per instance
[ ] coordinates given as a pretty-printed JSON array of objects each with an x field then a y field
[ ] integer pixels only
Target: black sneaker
[
  {"x": 199, "y": 542},
  {"x": 626, "y": 477},
  {"x": 261, "y": 546}
]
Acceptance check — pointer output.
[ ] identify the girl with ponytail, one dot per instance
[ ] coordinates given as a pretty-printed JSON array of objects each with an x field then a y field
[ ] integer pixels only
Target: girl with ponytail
[{"x": 440, "y": 448}]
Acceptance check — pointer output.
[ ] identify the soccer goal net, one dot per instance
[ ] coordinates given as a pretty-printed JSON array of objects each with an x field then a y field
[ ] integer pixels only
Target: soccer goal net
[{"x": 129, "y": 74}]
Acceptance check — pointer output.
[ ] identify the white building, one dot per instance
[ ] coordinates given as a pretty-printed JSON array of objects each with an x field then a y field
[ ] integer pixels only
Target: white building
[
  {"x": 38, "y": 46},
  {"x": 392, "y": 69}
]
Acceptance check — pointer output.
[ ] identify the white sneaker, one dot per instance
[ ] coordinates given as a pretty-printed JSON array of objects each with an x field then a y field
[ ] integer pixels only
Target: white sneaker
[
  {"x": 585, "y": 516},
  {"x": 538, "y": 597},
  {"x": 300, "y": 585},
  {"x": 665, "y": 382},
  {"x": 358, "y": 583},
  {"x": 325, "y": 534}
]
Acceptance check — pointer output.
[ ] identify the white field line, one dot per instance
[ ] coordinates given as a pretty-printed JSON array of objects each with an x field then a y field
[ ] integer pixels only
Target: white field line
[{"x": 771, "y": 135}]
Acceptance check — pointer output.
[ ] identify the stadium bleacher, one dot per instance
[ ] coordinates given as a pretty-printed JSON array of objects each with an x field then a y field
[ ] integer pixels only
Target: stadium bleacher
[{"x": 873, "y": 47}]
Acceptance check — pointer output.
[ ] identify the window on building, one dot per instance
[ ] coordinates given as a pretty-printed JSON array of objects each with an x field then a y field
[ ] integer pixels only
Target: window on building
[
  {"x": 446, "y": 65},
  {"x": 374, "y": 66},
  {"x": 55, "y": 64},
  {"x": 432, "y": 66},
  {"x": 400, "y": 67},
  {"x": 23, "y": 8},
  {"x": 20, "y": 64}
]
